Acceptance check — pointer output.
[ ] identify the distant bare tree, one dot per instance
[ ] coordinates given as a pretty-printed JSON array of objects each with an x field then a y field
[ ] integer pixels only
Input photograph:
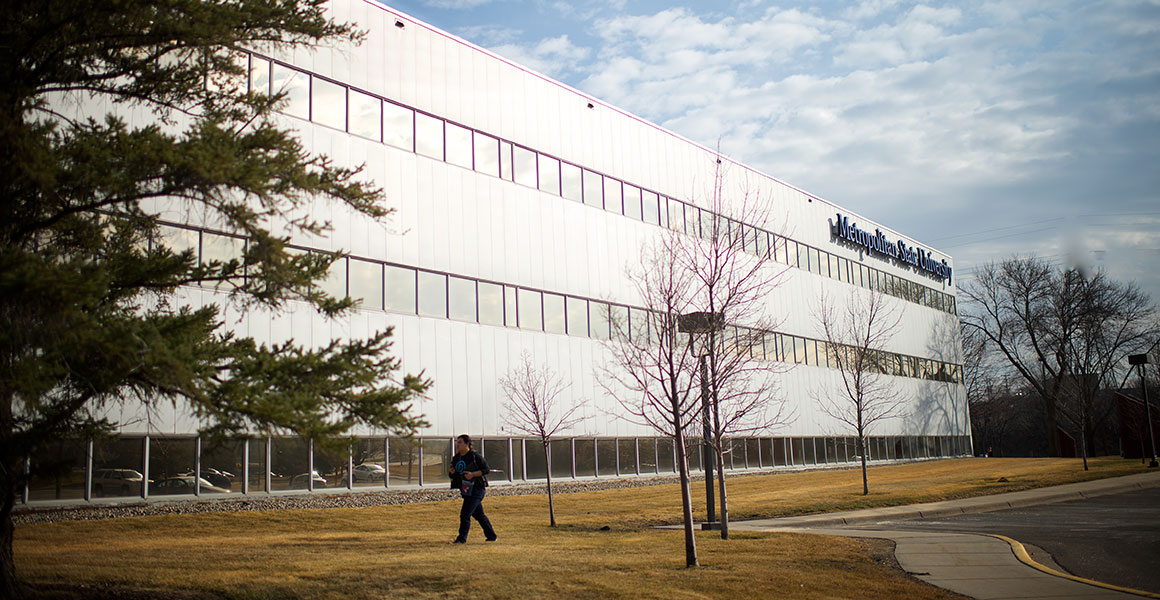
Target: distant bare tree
[
  {"x": 730, "y": 259},
  {"x": 652, "y": 366},
  {"x": 856, "y": 335},
  {"x": 532, "y": 410},
  {"x": 1115, "y": 320},
  {"x": 1065, "y": 332}
]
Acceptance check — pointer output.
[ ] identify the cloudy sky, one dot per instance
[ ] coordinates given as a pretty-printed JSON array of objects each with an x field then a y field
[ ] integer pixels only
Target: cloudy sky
[{"x": 984, "y": 129}]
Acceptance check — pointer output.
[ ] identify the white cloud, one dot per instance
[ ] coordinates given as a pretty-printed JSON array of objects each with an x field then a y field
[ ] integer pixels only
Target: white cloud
[
  {"x": 932, "y": 119},
  {"x": 555, "y": 57}
]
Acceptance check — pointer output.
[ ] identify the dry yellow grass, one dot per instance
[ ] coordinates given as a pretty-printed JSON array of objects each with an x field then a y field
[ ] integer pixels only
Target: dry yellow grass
[{"x": 402, "y": 551}]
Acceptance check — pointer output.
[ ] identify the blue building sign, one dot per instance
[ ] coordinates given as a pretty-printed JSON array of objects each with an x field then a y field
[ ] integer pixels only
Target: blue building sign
[{"x": 876, "y": 243}]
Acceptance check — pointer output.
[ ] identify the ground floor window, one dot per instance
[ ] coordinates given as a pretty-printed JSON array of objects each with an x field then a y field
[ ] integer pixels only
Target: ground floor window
[{"x": 150, "y": 466}]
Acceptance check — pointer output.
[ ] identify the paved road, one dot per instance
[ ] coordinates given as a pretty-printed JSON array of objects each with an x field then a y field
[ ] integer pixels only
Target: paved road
[{"x": 1114, "y": 538}]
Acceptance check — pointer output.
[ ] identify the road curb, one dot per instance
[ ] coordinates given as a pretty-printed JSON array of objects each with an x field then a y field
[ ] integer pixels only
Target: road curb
[
  {"x": 1025, "y": 558},
  {"x": 978, "y": 504}
]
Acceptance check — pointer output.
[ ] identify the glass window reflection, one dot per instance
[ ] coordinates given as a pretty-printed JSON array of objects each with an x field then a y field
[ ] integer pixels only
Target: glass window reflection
[
  {"x": 486, "y": 154},
  {"x": 328, "y": 104},
  {"x": 432, "y": 294},
  {"x": 295, "y": 85},
  {"x": 571, "y": 186},
  {"x": 525, "y": 166},
  {"x": 459, "y": 145},
  {"x": 366, "y": 115},
  {"x": 429, "y": 136},
  {"x": 461, "y": 299},
  {"x": 490, "y": 304},
  {"x": 549, "y": 175},
  {"x": 399, "y": 292}
]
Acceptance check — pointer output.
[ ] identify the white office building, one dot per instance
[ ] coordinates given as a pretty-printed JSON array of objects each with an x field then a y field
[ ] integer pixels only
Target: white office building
[{"x": 519, "y": 202}]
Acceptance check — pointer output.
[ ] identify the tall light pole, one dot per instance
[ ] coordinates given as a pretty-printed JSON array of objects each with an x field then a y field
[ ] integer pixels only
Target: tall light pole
[
  {"x": 693, "y": 323},
  {"x": 1141, "y": 360}
]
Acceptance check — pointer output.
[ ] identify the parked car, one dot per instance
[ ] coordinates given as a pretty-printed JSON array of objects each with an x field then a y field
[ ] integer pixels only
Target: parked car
[
  {"x": 369, "y": 472},
  {"x": 216, "y": 477},
  {"x": 299, "y": 481},
  {"x": 117, "y": 482},
  {"x": 184, "y": 485}
]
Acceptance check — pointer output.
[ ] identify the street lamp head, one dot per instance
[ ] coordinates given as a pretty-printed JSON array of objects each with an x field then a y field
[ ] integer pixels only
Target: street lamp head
[
  {"x": 1137, "y": 359},
  {"x": 700, "y": 322}
]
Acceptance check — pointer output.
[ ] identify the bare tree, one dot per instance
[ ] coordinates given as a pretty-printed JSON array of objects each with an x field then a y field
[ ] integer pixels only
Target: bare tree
[
  {"x": 856, "y": 335},
  {"x": 730, "y": 259},
  {"x": 652, "y": 366},
  {"x": 532, "y": 409},
  {"x": 1115, "y": 320},
  {"x": 1063, "y": 331}
]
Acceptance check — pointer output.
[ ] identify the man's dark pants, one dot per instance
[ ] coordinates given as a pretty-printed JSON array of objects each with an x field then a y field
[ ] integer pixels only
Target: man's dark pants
[{"x": 473, "y": 507}]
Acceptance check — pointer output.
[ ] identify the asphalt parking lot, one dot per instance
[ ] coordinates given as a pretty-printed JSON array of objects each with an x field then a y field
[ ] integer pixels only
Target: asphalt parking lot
[{"x": 1113, "y": 538}]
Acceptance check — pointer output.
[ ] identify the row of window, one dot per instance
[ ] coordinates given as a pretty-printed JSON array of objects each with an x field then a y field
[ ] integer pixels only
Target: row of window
[
  {"x": 148, "y": 466},
  {"x": 395, "y": 288},
  {"x": 332, "y": 104}
]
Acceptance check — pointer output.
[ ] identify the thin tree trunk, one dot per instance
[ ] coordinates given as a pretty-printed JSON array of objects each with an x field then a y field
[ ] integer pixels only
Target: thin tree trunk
[
  {"x": 10, "y": 586},
  {"x": 721, "y": 492},
  {"x": 1052, "y": 424},
  {"x": 686, "y": 501},
  {"x": 548, "y": 470},
  {"x": 862, "y": 454},
  {"x": 1083, "y": 441}
]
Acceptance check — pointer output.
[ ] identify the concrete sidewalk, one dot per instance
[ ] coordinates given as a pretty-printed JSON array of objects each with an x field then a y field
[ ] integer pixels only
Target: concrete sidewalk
[{"x": 973, "y": 565}]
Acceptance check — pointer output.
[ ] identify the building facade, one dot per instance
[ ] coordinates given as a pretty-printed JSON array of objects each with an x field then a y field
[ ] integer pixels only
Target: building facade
[{"x": 518, "y": 205}]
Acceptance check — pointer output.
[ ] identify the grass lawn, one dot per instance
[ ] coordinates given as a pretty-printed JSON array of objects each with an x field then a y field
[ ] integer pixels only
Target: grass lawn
[{"x": 402, "y": 551}]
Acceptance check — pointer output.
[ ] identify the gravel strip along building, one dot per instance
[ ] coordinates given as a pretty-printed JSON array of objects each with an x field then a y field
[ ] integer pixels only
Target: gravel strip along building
[{"x": 520, "y": 205}]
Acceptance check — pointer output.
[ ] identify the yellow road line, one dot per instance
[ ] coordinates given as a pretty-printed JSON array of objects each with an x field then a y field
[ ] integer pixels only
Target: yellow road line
[{"x": 1025, "y": 558}]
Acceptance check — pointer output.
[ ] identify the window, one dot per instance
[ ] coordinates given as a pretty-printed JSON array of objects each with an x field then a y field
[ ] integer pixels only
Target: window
[
  {"x": 799, "y": 350},
  {"x": 328, "y": 104},
  {"x": 762, "y": 243},
  {"x": 509, "y": 306},
  {"x": 710, "y": 226},
  {"x": 571, "y": 187},
  {"x": 366, "y": 283},
  {"x": 638, "y": 325},
  {"x": 432, "y": 294},
  {"x": 295, "y": 85},
  {"x": 220, "y": 248},
  {"x": 676, "y": 214},
  {"x": 600, "y": 316},
  {"x": 399, "y": 289},
  {"x": 632, "y": 202},
  {"x": 525, "y": 166},
  {"x": 486, "y": 154},
  {"x": 618, "y": 320},
  {"x": 692, "y": 220},
  {"x": 366, "y": 115},
  {"x": 593, "y": 189},
  {"x": 399, "y": 126},
  {"x": 459, "y": 146},
  {"x": 490, "y": 304},
  {"x": 652, "y": 212},
  {"x": 335, "y": 282},
  {"x": 554, "y": 313},
  {"x": 531, "y": 310},
  {"x": 259, "y": 75},
  {"x": 461, "y": 299},
  {"x": 770, "y": 343},
  {"x": 577, "y": 309},
  {"x": 429, "y": 136},
  {"x": 549, "y": 175},
  {"x": 613, "y": 195},
  {"x": 505, "y": 160}
]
